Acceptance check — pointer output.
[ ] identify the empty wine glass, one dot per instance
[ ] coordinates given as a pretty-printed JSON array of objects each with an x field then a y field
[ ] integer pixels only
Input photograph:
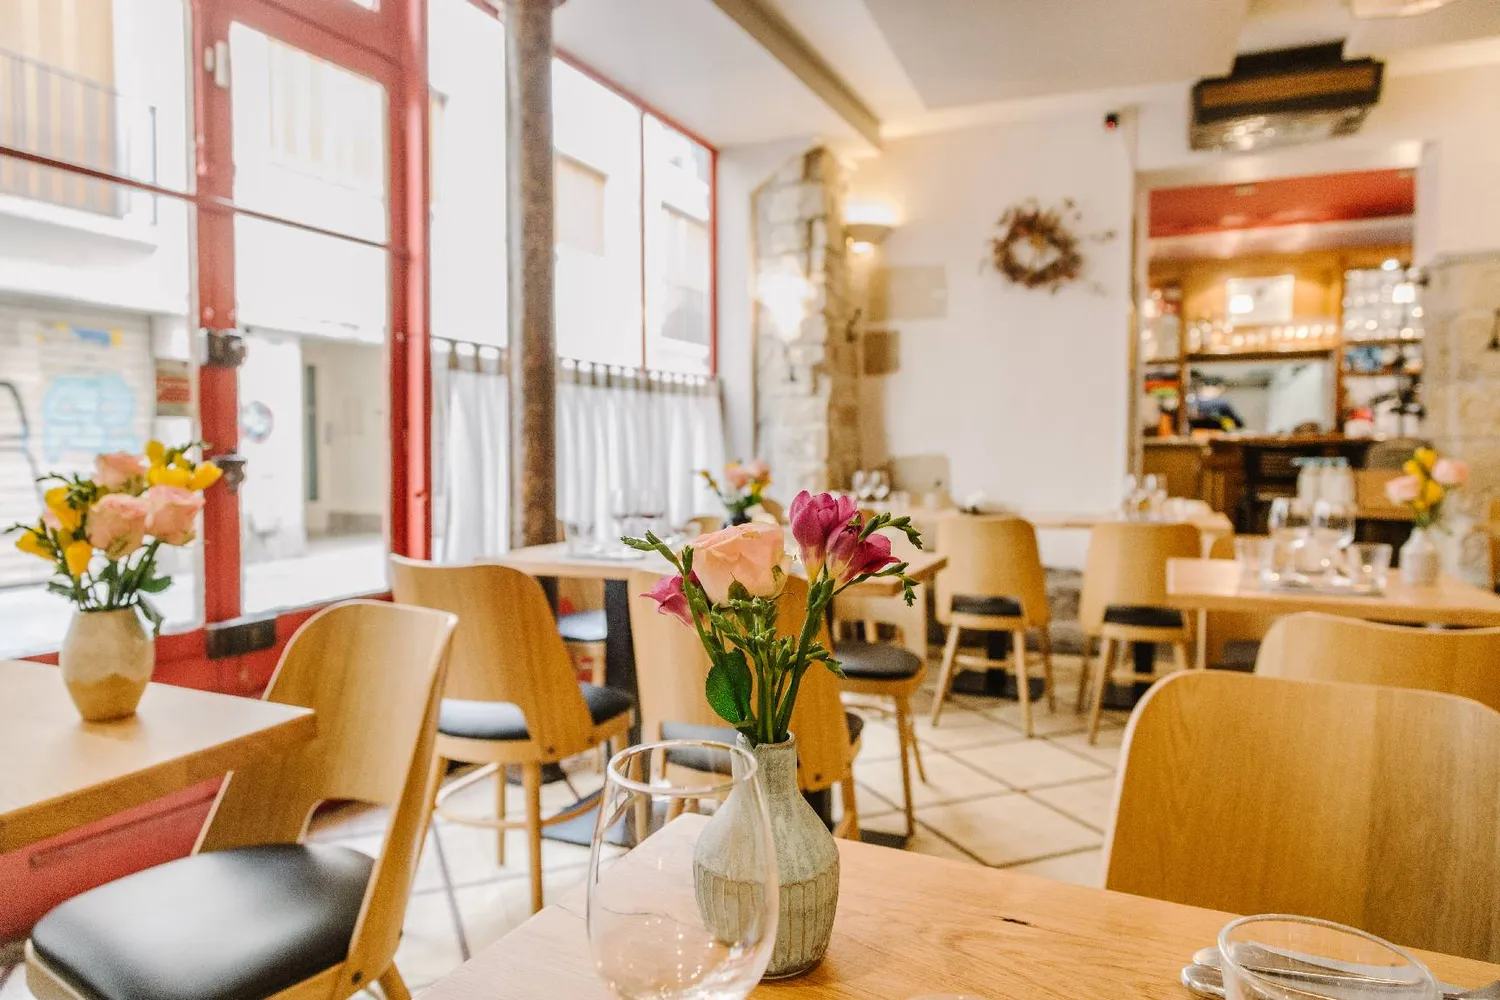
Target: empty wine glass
[
  {"x": 882, "y": 487},
  {"x": 864, "y": 485},
  {"x": 660, "y": 926}
]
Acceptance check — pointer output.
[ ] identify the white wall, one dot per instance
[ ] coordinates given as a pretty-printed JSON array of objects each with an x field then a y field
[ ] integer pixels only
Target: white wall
[{"x": 1023, "y": 390}]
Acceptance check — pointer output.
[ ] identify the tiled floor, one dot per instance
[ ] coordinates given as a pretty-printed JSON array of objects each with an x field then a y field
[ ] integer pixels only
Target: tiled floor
[{"x": 1037, "y": 806}]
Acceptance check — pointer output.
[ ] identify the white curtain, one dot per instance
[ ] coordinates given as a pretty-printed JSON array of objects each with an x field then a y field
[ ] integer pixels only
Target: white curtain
[
  {"x": 629, "y": 430},
  {"x": 470, "y": 453}
]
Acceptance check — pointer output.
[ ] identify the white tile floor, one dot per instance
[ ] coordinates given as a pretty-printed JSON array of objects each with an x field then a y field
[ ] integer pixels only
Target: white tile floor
[{"x": 1037, "y": 806}]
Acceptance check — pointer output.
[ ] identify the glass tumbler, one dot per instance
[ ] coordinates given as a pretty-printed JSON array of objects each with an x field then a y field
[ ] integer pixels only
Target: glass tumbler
[
  {"x": 1367, "y": 564},
  {"x": 1277, "y": 957}
]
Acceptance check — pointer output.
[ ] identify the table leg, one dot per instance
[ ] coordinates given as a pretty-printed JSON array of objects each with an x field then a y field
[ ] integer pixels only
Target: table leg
[
  {"x": 1200, "y": 641},
  {"x": 619, "y": 646}
]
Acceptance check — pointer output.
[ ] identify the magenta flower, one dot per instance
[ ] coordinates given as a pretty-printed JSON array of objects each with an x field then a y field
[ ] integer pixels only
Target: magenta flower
[
  {"x": 850, "y": 557},
  {"x": 815, "y": 520},
  {"x": 670, "y": 599}
]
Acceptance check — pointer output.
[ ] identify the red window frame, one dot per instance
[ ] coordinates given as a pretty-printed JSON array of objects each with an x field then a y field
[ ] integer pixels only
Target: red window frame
[{"x": 387, "y": 45}]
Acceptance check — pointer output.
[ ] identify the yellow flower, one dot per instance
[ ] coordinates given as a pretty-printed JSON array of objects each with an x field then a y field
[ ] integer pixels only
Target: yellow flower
[
  {"x": 156, "y": 452},
  {"x": 1425, "y": 457},
  {"x": 1432, "y": 492},
  {"x": 77, "y": 556},
  {"x": 57, "y": 502},
  {"x": 204, "y": 476},
  {"x": 35, "y": 544},
  {"x": 183, "y": 462},
  {"x": 166, "y": 475}
]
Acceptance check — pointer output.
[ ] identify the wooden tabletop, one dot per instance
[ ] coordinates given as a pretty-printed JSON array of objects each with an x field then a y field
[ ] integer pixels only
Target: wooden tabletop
[
  {"x": 910, "y": 925},
  {"x": 555, "y": 560},
  {"x": 1214, "y": 523},
  {"x": 61, "y": 772},
  {"x": 1214, "y": 585}
]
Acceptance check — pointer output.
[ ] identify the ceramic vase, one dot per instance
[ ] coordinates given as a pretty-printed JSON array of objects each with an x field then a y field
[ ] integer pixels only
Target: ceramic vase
[
  {"x": 1421, "y": 560},
  {"x": 807, "y": 862},
  {"x": 106, "y": 660}
]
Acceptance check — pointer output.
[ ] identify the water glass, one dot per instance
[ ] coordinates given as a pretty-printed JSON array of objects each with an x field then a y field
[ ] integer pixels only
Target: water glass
[
  {"x": 1250, "y": 552},
  {"x": 1299, "y": 958},
  {"x": 1367, "y": 565},
  {"x": 649, "y": 935},
  {"x": 578, "y": 537}
]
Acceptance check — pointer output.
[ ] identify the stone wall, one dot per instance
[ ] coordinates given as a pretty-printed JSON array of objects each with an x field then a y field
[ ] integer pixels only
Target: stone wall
[
  {"x": 806, "y": 351},
  {"x": 1461, "y": 384}
]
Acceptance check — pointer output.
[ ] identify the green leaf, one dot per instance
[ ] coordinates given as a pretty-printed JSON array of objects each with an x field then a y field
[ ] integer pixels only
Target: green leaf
[
  {"x": 719, "y": 690},
  {"x": 58, "y": 587},
  {"x": 741, "y": 682},
  {"x": 153, "y": 616},
  {"x": 737, "y": 591},
  {"x": 834, "y": 667},
  {"x": 155, "y": 585},
  {"x": 639, "y": 544}
]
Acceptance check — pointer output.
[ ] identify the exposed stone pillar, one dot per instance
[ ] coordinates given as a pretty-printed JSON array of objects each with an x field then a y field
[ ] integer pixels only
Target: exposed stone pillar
[
  {"x": 1461, "y": 382},
  {"x": 529, "y": 205},
  {"x": 807, "y": 358}
]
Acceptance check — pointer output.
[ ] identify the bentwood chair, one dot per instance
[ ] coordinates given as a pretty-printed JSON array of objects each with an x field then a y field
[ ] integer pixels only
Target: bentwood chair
[
  {"x": 1319, "y": 647},
  {"x": 511, "y": 696},
  {"x": 255, "y": 912},
  {"x": 994, "y": 582},
  {"x": 671, "y": 667},
  {"x": 1123, "y": 598},
  {"x": 1371, "y": 806}
]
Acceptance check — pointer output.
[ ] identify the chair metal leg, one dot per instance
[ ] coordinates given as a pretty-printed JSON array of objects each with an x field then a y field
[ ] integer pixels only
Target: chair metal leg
[
  {"x": 1105, "y": 665},
  {"x": 945, "y": 673},
  {"x": 1085, "y": 674},
  {"x": 502, "y": 779},
  {"x": 531, "y": 776},
  {"x": 393, "y": 986},
  {"x": 1023, "y": 683},
  {"x": 1046, "y": 640}
]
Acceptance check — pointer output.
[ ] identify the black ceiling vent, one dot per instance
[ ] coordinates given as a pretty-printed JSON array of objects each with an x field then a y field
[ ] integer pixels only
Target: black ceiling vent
[{"x": 1284, "y": 97}]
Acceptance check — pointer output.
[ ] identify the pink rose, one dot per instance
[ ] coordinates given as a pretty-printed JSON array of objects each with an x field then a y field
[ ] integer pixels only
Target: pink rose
[
  {"x": 816, "y": 519},
  {"x": 117, "y": 524},
  {"x": 1403, "y": 489},
  {"x": 115, "y": 471},
  {"x": 1451, "y": 472},
  {"x": 670, "y": 599},
  {"x": 754, "y": 554},
  {"x": 173, "y": 517},
  {"x": 737, "y": 475},
  {"x": 759, "y": 471},
  {"x": 851, "y": 557}
]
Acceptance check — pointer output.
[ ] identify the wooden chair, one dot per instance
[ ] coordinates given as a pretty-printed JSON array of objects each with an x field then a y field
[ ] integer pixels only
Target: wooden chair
[
  {"x": 511, "y": 696},
  {"x": 774, "y": 508},
  {"x": 582, "y": 623},
  {"x": 994, "y": 582},
  {"x": 671, "y": 666},
  {"x": 1124, "y": 590},
  {"x": 1234, "y": 636},
  {"x": 255, "y": 912},
  {"x": 1375, "y": 807},
  {"x": 1319, "y": 647},
  {"x": 703, "y": 524}
]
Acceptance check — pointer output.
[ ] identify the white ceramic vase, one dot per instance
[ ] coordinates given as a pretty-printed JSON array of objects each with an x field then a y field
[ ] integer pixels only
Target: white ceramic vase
[
  {"x": 1421, "y": 560},
  {"x": 807, "y": 862},
  {"x": 106, "y": 661}
]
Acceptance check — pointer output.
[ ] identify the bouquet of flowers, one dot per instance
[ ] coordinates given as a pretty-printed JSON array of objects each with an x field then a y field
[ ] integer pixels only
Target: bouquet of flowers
[
  {"x": 744, "y": 485},
  {"x": 1428, "y": 480},
  {"x": 102, "y": 534},
  {"x": 726, "y": 587}
]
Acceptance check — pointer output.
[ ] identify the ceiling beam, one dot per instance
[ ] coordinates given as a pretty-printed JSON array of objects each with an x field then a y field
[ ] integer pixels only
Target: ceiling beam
[{"x": 787, "y": 45}]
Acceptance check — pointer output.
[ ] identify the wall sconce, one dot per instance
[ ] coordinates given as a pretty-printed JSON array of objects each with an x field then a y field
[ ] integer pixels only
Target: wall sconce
[{"x": 864, "y": 237}]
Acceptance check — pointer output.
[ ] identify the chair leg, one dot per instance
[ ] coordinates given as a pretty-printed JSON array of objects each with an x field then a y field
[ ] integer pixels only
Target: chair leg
[
  {"x": 902, "y": 737},
  {"x": 850, "y": 820},
  {"x": 945, "y": 672},
  {"x": 1085, "y": 673},
  {"x": 1179, "y": 655},
  {"x": 906, "y": 734},
  {"x": 1046, "y": 640},
  {"x": 502, "y": 780},
  {"x": 1104, "y": 665},
  {"x": 531, "y": 775},
  {"x": 393, "y": 986},
  {"x": 1023, "y": 682}
]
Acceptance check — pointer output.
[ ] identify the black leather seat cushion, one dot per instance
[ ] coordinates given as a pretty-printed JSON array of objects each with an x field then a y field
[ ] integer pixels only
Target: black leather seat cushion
[
  {"x": 583, "y": 626},
  {"x": 717, "y": 761},
  {"x": 241, "y": 924},
  {"x": 1007, "y": 607},
  {"x": 501, "y": 720},
  {"x": 1146, "y": 617},
  {"x": 877, "y": 660},
  {"x": 1240, "y": 654}
]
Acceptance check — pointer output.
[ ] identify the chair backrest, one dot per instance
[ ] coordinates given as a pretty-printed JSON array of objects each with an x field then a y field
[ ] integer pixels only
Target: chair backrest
[
  {"x": 774, "y": 508},
  {"x": 373, "y": 674},
  {"x": 991, "y": 556},
  {"x": 1318, "y": 647},
  {"x": 507, "y": 647},
  {"x": 703, "y": 524},
  {"x": 1371, "y": 806},
  {"x": 671, "y": 666},
  {"x": 1127, "y": 565}
]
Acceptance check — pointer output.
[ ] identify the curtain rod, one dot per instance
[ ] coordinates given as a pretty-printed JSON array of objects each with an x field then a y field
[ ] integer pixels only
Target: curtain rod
[{"x": 464, "y": 355}]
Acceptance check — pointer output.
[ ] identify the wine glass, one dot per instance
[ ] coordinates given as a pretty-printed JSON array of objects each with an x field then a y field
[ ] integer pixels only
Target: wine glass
[
  {"x": 882, "y": 487},
  {"x": 662, "y": 924},
  {"x": 1130, "y": 498},
  {"x": 864, "y": 485}
]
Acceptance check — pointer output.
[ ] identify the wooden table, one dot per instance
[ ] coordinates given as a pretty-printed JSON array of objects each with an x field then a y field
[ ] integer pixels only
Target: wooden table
[
  {"x": 909, "y": 925},
  {"x": 1205, "y": 585},
  {"x": 61, "y": 772}
]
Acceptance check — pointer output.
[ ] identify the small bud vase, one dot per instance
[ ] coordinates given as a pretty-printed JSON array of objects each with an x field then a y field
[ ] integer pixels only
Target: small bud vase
[
  {"x": 807, "y": 862},
  {"x": 1421, "y": 560},
  {"x": 106, "y": 660}
]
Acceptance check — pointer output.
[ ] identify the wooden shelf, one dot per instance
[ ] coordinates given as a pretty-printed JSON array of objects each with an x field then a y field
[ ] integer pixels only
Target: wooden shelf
[
  {"x": 1321, "y": 353},
  {"x": 1384, "y": 342},
  {"x": 1386, "y": 372}
]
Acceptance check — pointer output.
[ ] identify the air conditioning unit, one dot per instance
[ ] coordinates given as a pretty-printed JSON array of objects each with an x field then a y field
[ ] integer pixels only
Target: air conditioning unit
[
  {"x": 1284, "y": 97},
  {"x": 1370, "y": 9}
]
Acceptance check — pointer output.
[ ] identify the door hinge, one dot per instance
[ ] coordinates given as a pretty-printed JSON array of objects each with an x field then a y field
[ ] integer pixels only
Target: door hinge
[{"x": 216, "y": 61}]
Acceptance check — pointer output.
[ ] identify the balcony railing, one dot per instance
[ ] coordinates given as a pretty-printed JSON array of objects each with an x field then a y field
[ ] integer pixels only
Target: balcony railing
[{"x": 64, "y": 116}]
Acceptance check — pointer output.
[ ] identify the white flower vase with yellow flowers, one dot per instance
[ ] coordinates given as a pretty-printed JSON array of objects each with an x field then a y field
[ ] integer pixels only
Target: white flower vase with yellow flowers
[
  {"x": 102, "y": 536},
  {"x": 1427, "y": 483}
]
